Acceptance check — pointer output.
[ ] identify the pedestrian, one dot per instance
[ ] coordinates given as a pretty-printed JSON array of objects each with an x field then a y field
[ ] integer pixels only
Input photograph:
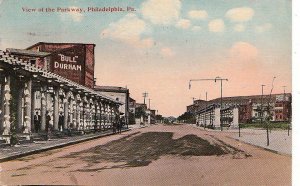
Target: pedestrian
[
  {"x": 37, "y": 122},
  {"x": 115, "y": 125},
  {"x": 121, "y": 123},
  {"x": 61, "y": 119},
  {"x": 48, "y": 119}
]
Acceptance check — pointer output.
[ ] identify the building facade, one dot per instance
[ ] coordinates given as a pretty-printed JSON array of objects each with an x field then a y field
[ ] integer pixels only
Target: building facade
[
  {"x": 74, "y": 61},
  {"x": 29, "y": 92},
  {"x": 119, "y": 94},
  {"x": 242, "y": 109}
]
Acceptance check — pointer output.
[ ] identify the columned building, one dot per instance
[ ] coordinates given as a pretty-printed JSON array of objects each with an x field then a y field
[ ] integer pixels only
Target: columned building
[
  {"x": 242, "y": 109},
  {"x": 117, "y": 93},
  {"x": 32, "y": 100}
]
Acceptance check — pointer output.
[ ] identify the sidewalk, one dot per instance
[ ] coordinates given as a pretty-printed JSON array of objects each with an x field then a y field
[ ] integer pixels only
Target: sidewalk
[
  {"x": 13, "y": 152},
  {"x": 279, "y": 141}
]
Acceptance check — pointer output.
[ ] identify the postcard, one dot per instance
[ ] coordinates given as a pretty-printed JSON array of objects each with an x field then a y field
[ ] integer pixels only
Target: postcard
[{"x": 150, "y": 92}]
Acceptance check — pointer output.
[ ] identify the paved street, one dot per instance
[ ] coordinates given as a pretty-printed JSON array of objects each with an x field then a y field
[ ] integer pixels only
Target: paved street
[{"x": 156, "y": 155}]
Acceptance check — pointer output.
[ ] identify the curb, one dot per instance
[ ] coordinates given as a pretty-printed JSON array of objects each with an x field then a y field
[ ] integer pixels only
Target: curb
[
  {"x": 43, "y": 149},
  {"x": 264, "y": 148}
]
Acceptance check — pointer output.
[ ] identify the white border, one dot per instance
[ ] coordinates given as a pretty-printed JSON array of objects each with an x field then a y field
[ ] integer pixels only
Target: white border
[{"x": 296, "y": 92}]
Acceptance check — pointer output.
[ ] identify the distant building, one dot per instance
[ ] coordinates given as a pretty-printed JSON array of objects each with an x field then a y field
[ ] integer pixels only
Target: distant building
[
  {"x": 246, "y": 108},
  {"x": 117, "y": 93},
  {"x": 132, "y": 106},
  {"x": 140, "y": 113}
]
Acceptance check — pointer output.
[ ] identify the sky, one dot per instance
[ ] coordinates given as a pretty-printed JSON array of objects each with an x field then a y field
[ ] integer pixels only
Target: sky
[{"x": 163, "y": 44}]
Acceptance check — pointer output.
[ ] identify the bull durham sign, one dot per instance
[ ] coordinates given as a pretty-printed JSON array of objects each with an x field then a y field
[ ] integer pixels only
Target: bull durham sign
[
  {"x": 69, "y": 63},
  {"x": 74, "y": 61}
]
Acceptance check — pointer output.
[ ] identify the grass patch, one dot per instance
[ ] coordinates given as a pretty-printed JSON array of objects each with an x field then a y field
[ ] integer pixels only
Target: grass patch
[{"x": 277, "y": 125}]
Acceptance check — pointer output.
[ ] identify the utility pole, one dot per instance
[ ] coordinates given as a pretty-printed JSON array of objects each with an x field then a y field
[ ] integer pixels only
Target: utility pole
[
  {"x": 261, "y": 104},
  {"x": 145, "y": 94},
  {"x": 284, "y": 101},
  {"x": 205, "y": 110},
  {"x": 269, "y": 112},
  {"x": 215, "y": 79}
]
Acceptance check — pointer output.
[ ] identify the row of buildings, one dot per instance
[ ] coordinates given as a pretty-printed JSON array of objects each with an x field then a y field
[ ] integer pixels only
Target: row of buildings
[
  {"x": 52, "y": 86},
  {"x": 242, "y": 109}
]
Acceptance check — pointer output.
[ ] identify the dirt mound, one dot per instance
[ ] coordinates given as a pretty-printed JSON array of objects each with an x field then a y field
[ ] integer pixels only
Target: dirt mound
[{"x": 140, "y": 150}]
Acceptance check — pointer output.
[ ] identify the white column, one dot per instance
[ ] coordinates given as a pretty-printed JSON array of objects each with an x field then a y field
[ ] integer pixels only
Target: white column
[
  {"x": 75, "y": 112},
  {"x": 235, "y": 122},
  {"x": 43, "y": 108},
  {"x": 71, "y": 110},
  {"x": 55, "y": 108},
  {"x": 33, "y": 96},
  {"x": 217, "y": 122},
  {"x": 6, "y": 110},
  {"x": 1, "y": 102},
  {"x": 66, "y": 110},
  {"x": 27, "y": 96},
  {"x": 80, "y": 116},
  {"x": 84, "y": 109},
  {"x": 104, "y": 115},
  {"x": 101, "y": 115},
  {"x": 20, "y": 106}
]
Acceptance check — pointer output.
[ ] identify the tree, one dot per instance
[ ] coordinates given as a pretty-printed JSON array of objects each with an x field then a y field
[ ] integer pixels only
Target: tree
[
  {"x": 187, "y": 117},
  {"x": 139, "y": 112}
]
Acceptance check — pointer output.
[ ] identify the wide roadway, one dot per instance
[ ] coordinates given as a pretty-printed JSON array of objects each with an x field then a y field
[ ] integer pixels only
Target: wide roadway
[{"x": 156, "y": 155}]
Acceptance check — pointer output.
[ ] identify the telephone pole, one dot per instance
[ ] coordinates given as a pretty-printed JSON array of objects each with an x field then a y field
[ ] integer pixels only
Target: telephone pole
[
  {"x": 149, "y": 103},
  {"x": 261, "y": 104},
  {"x": 145, "y": 94}
]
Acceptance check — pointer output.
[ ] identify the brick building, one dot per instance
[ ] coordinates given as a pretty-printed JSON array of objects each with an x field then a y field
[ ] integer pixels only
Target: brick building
[
  {"x": 251, "y": 108},
  {"x": 74, "y": 61}
]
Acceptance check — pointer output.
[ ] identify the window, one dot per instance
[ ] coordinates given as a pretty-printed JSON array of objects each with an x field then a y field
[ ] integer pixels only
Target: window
[{"x": 32, "y": 61}]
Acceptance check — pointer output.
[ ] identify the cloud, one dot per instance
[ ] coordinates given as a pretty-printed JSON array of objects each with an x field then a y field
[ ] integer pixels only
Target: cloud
[
  {"x": 196, "y": 28},
  {"x": 243, "y": 52},
  {"x": 75, "y": 16},
  {"x": 241, "y": 14},
  {"x": 163, "y": 12},
  {"x": 128, "y": 30},
  {"x": 263, "y": 28},
  {"x": 166, "y": 52},
  {"x": 198, "y": 14},
  {"x": 216, "y": 25},
  {"x": 239, "y": 28},
  {"x": 183, "y": 23}
]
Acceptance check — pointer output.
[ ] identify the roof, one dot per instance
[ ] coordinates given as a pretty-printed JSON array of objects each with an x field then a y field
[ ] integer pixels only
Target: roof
[
  {"x": 141, "y": 105},
  {"x": 9, "y": 60},
  {"x": 25, "y": 52},
  {"x": 131, "y": 99},
  {"x": 40, "y": 43},
  {"x": 236, "y": 100},
  {"x": 110, "y": 89}
]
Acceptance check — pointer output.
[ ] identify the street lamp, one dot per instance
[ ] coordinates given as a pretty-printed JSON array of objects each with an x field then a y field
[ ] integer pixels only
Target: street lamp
[
  {"x": 215, "y": 79},
  {"x": 220, "y": 79},
  {"x": 261, "y": 103}
]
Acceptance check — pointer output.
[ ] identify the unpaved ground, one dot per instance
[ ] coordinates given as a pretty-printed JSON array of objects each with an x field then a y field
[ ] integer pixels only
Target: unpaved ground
[{"x": 158, "y": 155}]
